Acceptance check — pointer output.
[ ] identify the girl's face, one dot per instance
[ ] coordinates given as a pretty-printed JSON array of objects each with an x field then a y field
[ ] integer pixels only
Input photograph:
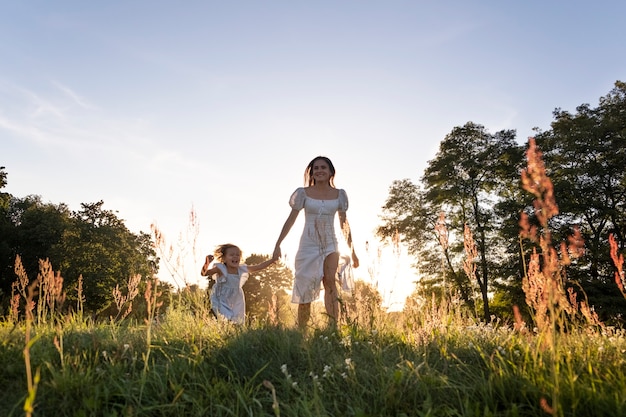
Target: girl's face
[
  {"x": 232, "y": 257},
  {"x": 320, "y": 171}
]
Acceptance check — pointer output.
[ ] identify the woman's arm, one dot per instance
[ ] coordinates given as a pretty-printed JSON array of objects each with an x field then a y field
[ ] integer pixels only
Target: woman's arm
[
  {"x": 347, "y": 233},
  {"x": 285, "y": 230}
]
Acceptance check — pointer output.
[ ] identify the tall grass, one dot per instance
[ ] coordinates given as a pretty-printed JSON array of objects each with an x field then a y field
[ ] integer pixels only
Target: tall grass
[{"x": 436, "y": 358}]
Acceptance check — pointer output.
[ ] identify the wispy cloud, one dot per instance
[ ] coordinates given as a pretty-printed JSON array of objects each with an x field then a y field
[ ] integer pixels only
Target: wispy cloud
[
  {"x": 21, "y": 129},
  {"x": 32, "y": 104},
  {"x": 64, "y": 121},
  {"x": 76, "y": 98}
]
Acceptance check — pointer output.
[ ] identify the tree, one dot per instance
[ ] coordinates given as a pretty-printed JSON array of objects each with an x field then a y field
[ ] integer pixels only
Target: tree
[
  {"x": 3, "y": 177},
  {"x": 407, "y": 213},
  {"x": 6, "y": 233},
  {"x": 40, "y": 227},
  {"x": 465, "y": 181},
  {"x": 30, "y": 229},
  {"x": 98, "y": 246},
  {"x": 585, "y": 155},
  {"x": 263, "y": 285},
  {"x": 92, "y": 242}
]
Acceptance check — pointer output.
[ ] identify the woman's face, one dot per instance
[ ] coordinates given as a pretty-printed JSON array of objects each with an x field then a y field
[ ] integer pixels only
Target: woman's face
[{"x": 320, "y": 171}]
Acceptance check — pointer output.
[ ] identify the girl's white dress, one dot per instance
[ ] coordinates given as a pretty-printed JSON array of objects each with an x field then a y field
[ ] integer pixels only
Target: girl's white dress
[
  {"x": 227, "y": 298},
  {"x": 318, "y": 240}
]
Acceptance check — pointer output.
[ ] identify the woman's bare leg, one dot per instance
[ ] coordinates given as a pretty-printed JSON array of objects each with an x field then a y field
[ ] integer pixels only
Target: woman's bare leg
[
  {"x": 304, "y": 313},
  {"x": 331, "y": 296}
]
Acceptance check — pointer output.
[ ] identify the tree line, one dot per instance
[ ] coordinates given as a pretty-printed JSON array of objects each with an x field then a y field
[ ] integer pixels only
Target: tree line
[
  {"x": 473, "y": 185},
  {"x": 92, "y": 245}
]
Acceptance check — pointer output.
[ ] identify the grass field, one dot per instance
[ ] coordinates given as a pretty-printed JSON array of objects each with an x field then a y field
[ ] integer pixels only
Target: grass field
[
  {"x": 435, "y": 358},
  {"x": 431, "y": 362}
]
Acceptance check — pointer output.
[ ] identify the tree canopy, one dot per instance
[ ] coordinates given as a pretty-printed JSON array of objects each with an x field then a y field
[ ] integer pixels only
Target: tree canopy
[
  {"x": 91, "y": 243},
  {"x": 262, "y": 286},
  {"x": 474, "y": 181}
]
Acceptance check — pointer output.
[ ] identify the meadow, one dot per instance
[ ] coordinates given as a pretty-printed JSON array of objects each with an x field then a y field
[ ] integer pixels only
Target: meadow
[
  {"x": 435, "y": 358},
  {"x": 429, "y": 361}
]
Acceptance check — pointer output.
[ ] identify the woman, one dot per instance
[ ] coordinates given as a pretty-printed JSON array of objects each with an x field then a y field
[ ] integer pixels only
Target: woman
[{"x": 317, "y": 258}]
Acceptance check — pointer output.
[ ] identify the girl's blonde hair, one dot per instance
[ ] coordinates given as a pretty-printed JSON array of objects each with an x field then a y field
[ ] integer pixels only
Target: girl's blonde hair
[{"x": 220, "y": 251}]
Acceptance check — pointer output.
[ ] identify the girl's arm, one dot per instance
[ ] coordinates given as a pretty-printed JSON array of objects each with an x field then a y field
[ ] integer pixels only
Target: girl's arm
[
  {"x": 206, "y": 271},
  {"x": 347, "y": 233},
  {"x": 262, "y": 265},
  {"x": 210, "y": 272}
]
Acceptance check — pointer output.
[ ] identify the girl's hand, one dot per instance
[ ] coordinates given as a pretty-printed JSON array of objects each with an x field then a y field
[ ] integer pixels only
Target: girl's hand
[
  {"x": 207, "y": 261},
  {"x": 277, "y": 253},
  {"x": 207, "y": 264}
]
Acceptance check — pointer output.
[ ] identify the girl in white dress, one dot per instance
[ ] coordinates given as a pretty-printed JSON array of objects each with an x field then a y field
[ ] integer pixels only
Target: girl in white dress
[
  {"x": 227, "y": 297},
  {"x": 317, "y": 258}
]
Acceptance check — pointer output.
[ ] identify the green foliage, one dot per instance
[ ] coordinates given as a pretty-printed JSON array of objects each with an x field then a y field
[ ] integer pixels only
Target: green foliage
[
  {"x": 406, "y": 212},
  {"x": 31, "y": 229},
  {"x": 6, "y": 228},
  {"x": 585, "y": 155},
  {"x": 474, "y": 179},
  {"x": 98, "y": 246},
  {"x": 93, "y": 243},
  {"x": 39, "y": 229},
  {"x": 3, "y": 177},
  {"x": 464, "y": 181},
  {"x": 262, "y": 286},
  {"x": 472, "y": 171}
]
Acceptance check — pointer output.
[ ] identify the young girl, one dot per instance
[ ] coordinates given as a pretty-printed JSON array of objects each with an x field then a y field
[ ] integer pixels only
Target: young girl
[{"x": 227, "y": 298}]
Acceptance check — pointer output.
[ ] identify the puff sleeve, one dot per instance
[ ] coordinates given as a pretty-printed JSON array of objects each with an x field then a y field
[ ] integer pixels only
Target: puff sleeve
[
  {"x": 296, "y": 201},
  {"x": 343, "y": 200}
]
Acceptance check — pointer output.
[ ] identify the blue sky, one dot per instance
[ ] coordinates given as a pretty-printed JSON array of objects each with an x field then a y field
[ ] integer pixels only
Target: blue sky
[{"x": 156, "y": 107}]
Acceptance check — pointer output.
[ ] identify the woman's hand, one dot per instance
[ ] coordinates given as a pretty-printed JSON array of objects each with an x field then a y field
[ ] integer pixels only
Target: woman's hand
[
  {"x": 355, "y": 260},
  {"x": 277, "y": 254}
]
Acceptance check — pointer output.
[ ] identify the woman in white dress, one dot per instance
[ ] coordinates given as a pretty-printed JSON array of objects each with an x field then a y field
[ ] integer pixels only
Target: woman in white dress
[
  {"x": 227, "y": 297},
  {"x": 317, "y": 258}
]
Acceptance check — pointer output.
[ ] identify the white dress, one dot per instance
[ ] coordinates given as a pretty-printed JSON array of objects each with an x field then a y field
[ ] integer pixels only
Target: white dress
[
  {"x": 318, "y": 240},
  {"x": 227, "y": 298}
]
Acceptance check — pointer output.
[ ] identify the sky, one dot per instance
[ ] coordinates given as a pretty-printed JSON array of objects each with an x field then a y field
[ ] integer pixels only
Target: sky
[{"x": 162, "y": 108}]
